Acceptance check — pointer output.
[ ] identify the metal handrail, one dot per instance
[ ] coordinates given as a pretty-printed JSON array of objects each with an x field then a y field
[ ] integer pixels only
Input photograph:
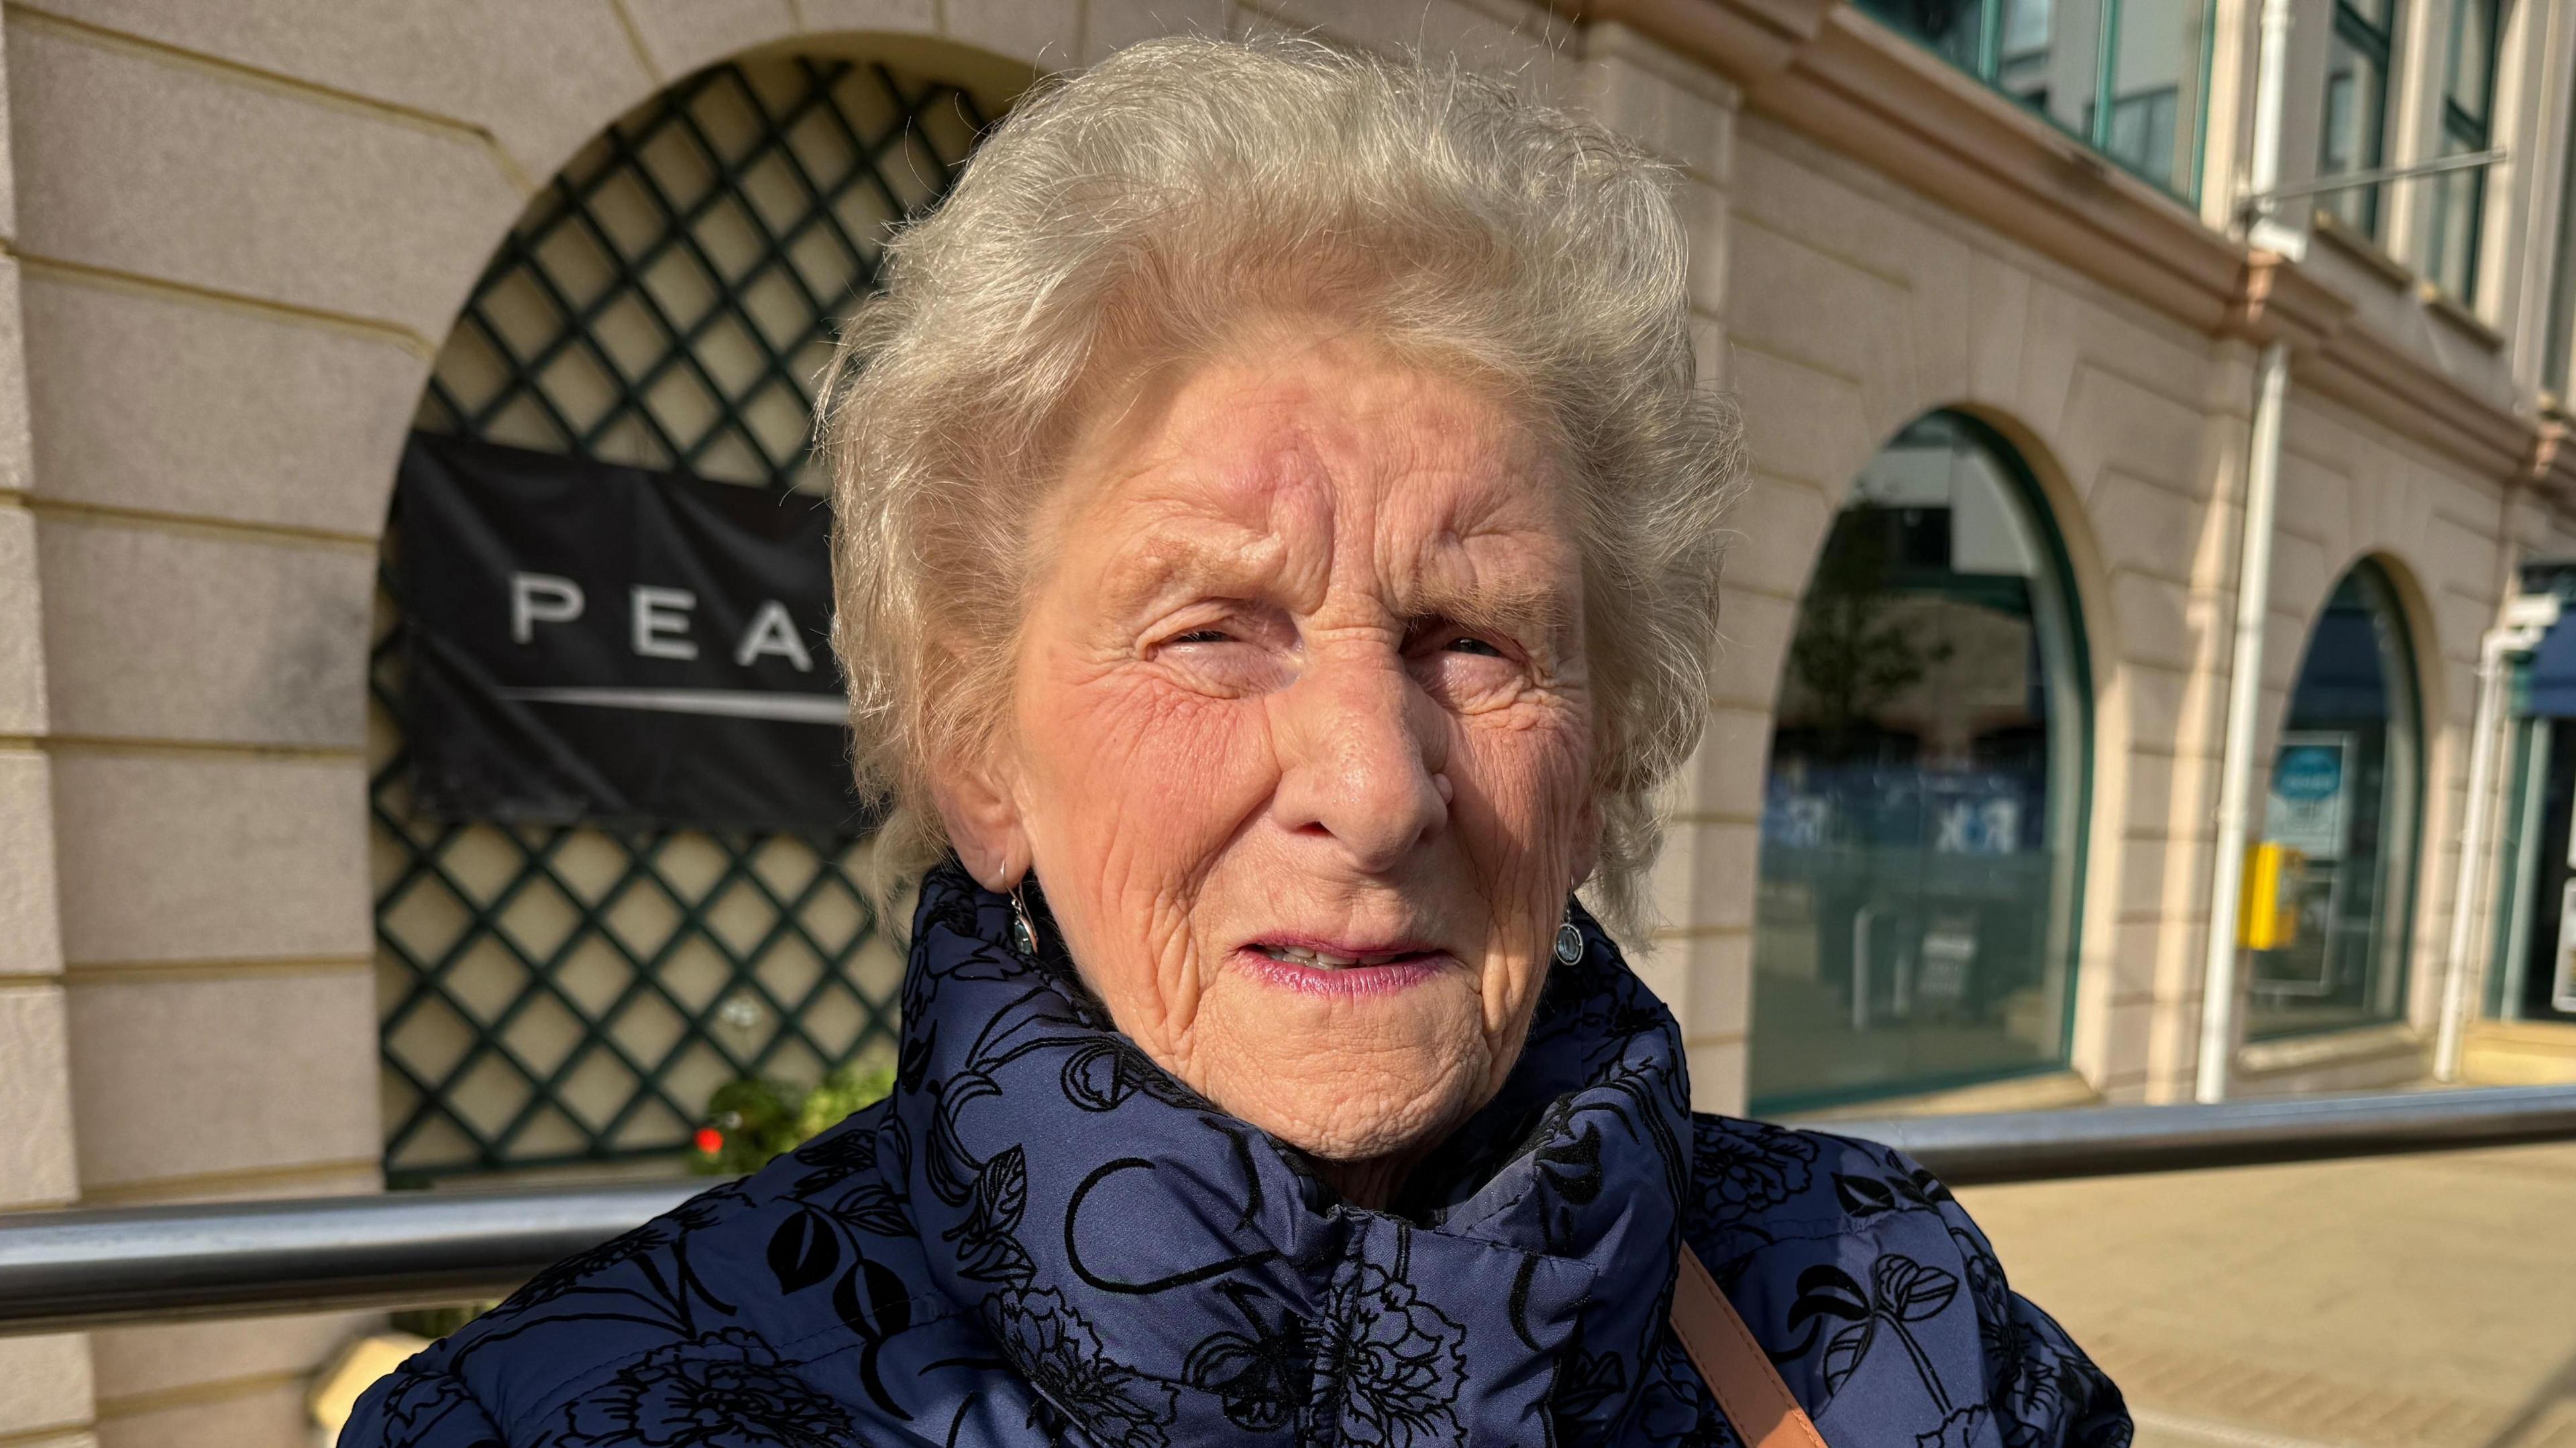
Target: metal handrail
[
  {"x": 74, "y": 1269},
  {"x": 229, "y": 1259},
  {"x": 2023, "y": 1146}
]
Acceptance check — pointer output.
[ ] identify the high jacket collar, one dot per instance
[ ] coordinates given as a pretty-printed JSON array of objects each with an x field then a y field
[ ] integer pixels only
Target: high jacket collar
[{"x": 1160, "y": 1272}]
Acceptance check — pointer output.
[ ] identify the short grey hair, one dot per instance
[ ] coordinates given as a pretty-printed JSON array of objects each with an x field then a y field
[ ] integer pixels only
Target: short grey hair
[{"x": 1131, "y": 214}]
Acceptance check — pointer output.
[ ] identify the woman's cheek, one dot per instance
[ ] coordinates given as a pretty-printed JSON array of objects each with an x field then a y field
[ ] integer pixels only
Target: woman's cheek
[
  {"x": 1535, "y": 767},
  {"x": 1158, "y": 760}
]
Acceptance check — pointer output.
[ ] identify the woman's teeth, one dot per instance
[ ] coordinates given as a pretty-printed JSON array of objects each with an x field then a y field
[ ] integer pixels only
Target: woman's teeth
[{"x": 1320, "y": 959}]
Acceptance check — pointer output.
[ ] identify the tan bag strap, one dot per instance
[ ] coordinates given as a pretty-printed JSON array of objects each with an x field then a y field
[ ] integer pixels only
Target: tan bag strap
[{"x": 1738, "y": 1373}]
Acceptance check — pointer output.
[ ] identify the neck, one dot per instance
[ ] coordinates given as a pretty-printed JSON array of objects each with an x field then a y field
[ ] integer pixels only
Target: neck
[{"x": 1371, "y": 1181}]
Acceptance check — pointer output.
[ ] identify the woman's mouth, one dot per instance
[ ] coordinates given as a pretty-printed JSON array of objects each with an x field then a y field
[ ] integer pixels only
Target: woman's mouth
[{"x": 1338, "y": 969}]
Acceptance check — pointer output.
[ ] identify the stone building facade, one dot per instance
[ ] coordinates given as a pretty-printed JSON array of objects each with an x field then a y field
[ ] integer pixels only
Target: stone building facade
[{"x": 1984, "y": 295}]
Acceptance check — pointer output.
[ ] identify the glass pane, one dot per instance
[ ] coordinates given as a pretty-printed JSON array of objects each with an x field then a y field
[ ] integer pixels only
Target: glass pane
[
  {"x": 2562, "y": 285},
  {"x": 2025, "y": 25},
  {"x": 1923, "y": 799},
  {"x": 2356, "y": 94},
  {"x": 2050, "y": 59},
  {"x": 2050, "y": 56},
  {"x": 2534, "y": 978},
  {"x": 2452, "y": 226},
  {"x": 2472, "y": 55},
  {"x": 2343, "y": 796},
  {"x": 1950, "y": 27},
  {"x": 2155, "y": 83}
]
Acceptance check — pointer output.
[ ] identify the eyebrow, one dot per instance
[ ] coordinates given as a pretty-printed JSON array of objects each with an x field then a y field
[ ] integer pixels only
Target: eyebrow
[
  {"x": 1166, "y": 558},
  {"x": 1518, "y": 607},
  {"x": 1172, "y": 559}
]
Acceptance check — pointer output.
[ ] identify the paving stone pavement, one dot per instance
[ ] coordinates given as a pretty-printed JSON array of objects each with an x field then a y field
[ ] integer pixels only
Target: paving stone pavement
[{"x": 2399, "y": 1302}]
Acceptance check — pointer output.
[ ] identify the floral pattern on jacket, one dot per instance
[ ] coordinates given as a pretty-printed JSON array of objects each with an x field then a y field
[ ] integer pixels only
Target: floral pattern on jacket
[{"x": 1042, "y": 1238}]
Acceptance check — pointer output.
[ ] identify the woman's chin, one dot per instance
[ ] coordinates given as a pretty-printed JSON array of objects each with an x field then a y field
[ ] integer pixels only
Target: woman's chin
[
  {"x": 1378, "y": 1130},
  {"x": 1349, "y": 1095}
]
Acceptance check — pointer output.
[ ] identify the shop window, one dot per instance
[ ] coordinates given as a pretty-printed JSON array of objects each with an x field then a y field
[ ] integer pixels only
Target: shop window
[
  {"x": 2354, "y": 128},
  {"x": 1924, "y": 805},
  {"x": 2344, "y": 796},
  {"x": 2458, "y": 213},
  {"x": 2125, "y": 76},
  {"x": 558, "y": 994},
  {"x": 2534, "y": 972}
]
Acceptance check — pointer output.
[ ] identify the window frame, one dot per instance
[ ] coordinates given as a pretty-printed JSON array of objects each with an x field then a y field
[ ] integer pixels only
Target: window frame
[
  {"x": 2378, "y": 44},
  {"x": 2558, "y": 329},
  {"x": 1987, "y": 45},
  {"x": 2472, "y": 132},
  {"x": 2076, "y": 692},
  {"x": 2401, "y": 870},
  {"x": 644, "y": 902}
]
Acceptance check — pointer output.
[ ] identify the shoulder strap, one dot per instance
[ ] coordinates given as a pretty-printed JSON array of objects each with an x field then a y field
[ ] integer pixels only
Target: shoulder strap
[{"x": 1738, "y": 1373}]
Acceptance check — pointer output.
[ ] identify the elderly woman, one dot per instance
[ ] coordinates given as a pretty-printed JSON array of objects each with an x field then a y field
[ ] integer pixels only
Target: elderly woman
[{"x": 1277, "y": 555}]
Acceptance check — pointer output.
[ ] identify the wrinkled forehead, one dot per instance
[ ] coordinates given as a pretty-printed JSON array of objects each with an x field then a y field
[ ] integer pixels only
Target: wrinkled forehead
[{"x": 1312, "y": 441}]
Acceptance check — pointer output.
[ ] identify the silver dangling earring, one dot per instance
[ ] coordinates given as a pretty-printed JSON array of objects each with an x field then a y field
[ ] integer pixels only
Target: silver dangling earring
[
  {"x": 1569, "y": 941},
  {"x": 1024, "y": 931}
]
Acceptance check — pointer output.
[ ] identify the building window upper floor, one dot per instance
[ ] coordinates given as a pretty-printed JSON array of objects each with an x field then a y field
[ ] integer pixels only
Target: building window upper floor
[
  {"x": 2456, "y": 217},
  {"x": 2127, "y": 77},
  {"x": 2378, "y": 86},
  {"x": 2353, "y": 131}
]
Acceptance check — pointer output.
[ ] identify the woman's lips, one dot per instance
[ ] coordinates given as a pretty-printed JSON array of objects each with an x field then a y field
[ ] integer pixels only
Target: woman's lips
[{"x": 1336, "y": 968}]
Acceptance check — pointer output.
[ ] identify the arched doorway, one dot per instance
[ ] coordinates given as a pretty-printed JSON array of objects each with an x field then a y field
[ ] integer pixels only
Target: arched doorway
[
  {"x": 1924, "y": 807},
  {"x": 562, "y": 992},
  {"x": 2346, "y": 795}
]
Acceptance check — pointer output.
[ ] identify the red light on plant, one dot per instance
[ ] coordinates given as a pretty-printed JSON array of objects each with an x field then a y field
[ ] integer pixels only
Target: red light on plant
[{"x": 710, "y": 1140}]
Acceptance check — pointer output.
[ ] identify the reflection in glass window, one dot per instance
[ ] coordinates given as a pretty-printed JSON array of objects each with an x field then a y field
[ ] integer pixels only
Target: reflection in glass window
[
  {"x": 2055, "y": 73},
  {"x": 2155, "y": 64},
  {"x": 2356, "y": 109},
  {"x": 2025, "y": 26},
  {"x": 2123, "y": 75},
  {"x": 1925, "y": 793},
  {"x": 2459, "y": 197},
  {"x": 2343, "y": 795},
  {"x": 1955, "y": 30},
  {"x": 2142, "y": 132},
  {"x": 2562, "y": 281}
]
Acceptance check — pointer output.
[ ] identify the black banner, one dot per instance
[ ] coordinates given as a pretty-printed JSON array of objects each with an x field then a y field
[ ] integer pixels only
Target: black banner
[{"x": 611, "y": 645}]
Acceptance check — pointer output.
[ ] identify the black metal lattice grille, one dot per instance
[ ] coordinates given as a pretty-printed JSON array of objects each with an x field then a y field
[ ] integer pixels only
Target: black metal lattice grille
[{"x": 569, "y": 994}]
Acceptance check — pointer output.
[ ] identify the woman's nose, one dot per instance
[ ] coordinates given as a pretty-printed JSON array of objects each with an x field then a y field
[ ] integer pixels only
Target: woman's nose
[{"x": 1358, "y": 740}]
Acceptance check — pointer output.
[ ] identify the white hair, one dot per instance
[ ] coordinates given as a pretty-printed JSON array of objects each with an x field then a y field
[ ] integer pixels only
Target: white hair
[{"x": 1131, "y": 215}]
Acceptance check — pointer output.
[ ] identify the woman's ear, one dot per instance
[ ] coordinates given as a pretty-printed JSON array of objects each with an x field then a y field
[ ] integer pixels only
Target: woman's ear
[
  {"x": 983, "y": 817},
  {"x": 1587, "y": 848}
]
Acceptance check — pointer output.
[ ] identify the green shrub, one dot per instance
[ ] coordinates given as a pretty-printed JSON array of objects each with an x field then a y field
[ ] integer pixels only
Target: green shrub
[{"x": 750, "y": 1122}]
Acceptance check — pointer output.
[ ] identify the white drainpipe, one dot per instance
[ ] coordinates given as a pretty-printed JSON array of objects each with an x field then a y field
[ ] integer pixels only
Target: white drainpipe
[
  {"x": 2218, "y": 984},
  {"x": 2244, "y": 711}
]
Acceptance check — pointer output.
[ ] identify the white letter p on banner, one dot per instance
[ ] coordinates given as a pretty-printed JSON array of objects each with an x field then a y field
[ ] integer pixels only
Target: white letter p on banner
[{"x": 537, "y": 598}]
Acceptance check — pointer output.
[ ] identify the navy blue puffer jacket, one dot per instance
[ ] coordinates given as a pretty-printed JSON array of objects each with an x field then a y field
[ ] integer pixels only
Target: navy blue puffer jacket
[{"x": 1042, "y": 1238}]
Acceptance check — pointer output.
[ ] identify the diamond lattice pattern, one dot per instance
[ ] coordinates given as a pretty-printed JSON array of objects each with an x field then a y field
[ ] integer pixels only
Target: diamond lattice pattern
[{"x": 563, "y": 995}]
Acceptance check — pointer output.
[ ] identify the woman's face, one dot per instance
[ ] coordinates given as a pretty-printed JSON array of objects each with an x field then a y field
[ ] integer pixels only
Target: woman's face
[{"x": 1302, "y": 740}]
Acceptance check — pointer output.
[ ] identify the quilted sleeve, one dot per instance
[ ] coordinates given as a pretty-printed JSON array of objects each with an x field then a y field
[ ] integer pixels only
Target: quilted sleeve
[
  {"x": 2044, "y": 1392},
  {"x": 420, "y": 1405}
]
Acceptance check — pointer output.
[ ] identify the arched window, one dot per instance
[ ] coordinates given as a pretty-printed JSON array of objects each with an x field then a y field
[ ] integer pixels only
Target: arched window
[
  {"x": 1925, "y": 801},
  {"x": 564, "y": 992},
  {"x": 2344, "y": 794}
]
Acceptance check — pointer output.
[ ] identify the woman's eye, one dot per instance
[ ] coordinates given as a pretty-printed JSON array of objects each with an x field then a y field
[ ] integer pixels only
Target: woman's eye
[
  {"x": 1242, "y": 652},
  {"x": 1466, "y": 644}
]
